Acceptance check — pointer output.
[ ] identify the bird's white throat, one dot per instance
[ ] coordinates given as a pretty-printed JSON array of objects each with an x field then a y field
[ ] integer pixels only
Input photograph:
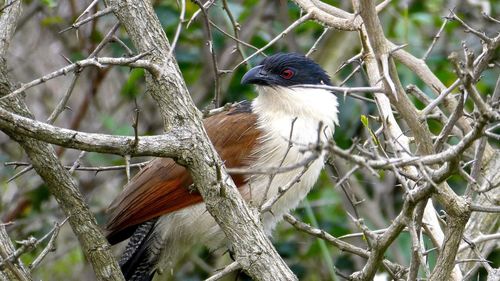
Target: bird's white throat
[{"x": 313, "y": 104}]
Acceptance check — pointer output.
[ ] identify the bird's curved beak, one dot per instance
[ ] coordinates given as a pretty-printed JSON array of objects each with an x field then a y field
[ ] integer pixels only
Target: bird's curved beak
[{"x": 256, "y": 75}]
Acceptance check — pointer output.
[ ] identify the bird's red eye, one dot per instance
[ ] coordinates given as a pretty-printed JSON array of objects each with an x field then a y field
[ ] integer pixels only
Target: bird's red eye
[{"x": 287, "y": 73}]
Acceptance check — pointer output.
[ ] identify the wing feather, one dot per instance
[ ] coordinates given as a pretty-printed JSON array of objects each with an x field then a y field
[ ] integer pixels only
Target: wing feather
[{"x": 163, "y": 185}]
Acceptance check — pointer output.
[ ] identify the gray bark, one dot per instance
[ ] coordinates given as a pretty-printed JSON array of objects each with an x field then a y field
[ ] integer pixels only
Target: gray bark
[
  {"x": 58, "y": 180},
  {"x": 242, "y": 225}
]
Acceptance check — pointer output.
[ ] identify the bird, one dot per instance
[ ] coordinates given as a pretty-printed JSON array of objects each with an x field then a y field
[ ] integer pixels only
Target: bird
[{"x": 161, "y": 211}]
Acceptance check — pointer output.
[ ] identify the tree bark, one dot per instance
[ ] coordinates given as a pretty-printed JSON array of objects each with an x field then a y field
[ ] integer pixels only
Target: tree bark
[
  {"x": 59, "y": 182},
  {"x": 242, "y": 226}
]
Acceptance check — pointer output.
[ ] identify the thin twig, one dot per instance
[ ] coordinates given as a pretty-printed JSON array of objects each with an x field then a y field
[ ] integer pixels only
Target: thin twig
[
  {"x": 457, "y": 113},
  {"x": 232, "y": 37},
  {"x": 488, "y": 17},
  {"x": 207, "y": 5},
  {"x": 434, "y": 40},
  {"x": 384, "y": 58},
  {"x": 480, "y": 239},
  {"x": 296, "y": 23},
  {"x": 272, "y": 170},
  {"x": 481, "y": 35},
  {"x": 51, "y": 245},
  {"x": 135, "y": 123},
  {"x": 346, "y": 91},
  {"x": 87, "y": 10},
  {"x": 289, "y": 147},
  {"x": 179, "y": 27},
  {"x": 22, "y": 172},
  {"x": 236, "y": 27},
  {"x": 341, "y": 245},
  {"x": 76, "y": 164},
  {"x": 87, "y": 169},
  {"x": 96, "y": 61},
  {"x": 440, "y": 98},
  {"x": 315, "y": 45},
  {"x": 267, "y": 206},
  {"x": 211, "y": 49},
  {"x": 228, "y": 269},
  {"x": 124, "y": 46},
  {"x": 355, "y": 58},
  {"x": 485, "y": 209},
  {"x": 62, "y": 103},
  {"x": 342, "y": 89},
  {"x": 76, "y": 25}
]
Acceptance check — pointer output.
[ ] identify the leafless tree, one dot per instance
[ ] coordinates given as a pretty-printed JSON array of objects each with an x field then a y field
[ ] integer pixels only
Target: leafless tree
[{"x": 398, "y": 141}]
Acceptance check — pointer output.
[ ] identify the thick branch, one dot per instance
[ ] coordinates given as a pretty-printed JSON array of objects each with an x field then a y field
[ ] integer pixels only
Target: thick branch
[
  {"x": 167, "y": 145},
  {"x": 13, "y": 268},
  {"x": 252, "y": 249},
  {"x": 171, "y": 143},
  {"x": 58, "y": 180}
]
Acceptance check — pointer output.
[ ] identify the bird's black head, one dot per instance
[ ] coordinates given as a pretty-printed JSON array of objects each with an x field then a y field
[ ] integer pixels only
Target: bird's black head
[{"x": 286, "y": 69}]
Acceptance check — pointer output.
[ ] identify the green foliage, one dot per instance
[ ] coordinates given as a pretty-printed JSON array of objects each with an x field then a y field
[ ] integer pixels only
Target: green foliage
[
  {"x": 365, "y": 122},
  {"x": 114, "y": 128},
  {"x": 38, "y": 196},
  {"x": 96, "y": 36},
  {"x": 63, "y": 268},
  {"x": 133, "y": 87},
  {"x": 47, "y": 21},
  {"x": 49, "y": 3}
]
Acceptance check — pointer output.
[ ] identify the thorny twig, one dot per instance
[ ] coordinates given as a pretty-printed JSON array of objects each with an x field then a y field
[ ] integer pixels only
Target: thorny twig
[
  {"x": 228, "y": 269},
  {"x": 211, "y": 49},
  {"x": 279, "y": 36},
  {"x": 100, "y": 62},
  {"x": 76, "y": 25},
  {"x": 85, "y": 168},
  {"x": 434, "y": 40},
  {"x": 179, "y": 27}
]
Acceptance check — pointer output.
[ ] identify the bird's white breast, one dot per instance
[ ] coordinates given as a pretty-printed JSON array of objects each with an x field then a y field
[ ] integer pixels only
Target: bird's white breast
[
  {"x": 296, "y": 117},
  {"x": 276, "y": 108}
]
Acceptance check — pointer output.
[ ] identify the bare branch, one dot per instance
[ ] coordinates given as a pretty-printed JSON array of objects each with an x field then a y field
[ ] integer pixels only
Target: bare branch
[
  {"x": 296, "y": 23},
  {"x": 95, "y": 61},
  {"x": 179, "y": 26},
  {"x": 51, "y": 245},
  {"x": 228, "y": 269},
  {"x": 481, "y": 35},
  {"x": 334, "y": 17},
  {"x": 163, "y": 145},
  {"x": 76, "y": 25},
  {"x": 87, "y": 10},
  {"x": 87, "y": 169},
  {"x": 485, "y": 209},
  {"x": 62, "y": 103},
  {"x": 341, "y": 245},
  {"x": 457, "y": 113},
  {"x": 210, "y": 43},
  {"x": 15, "y": 269},
  {"x": 236, "y": 27},
  {"x": 315, "y": 45},
  {"x": 232, "y": 37},
  {"x": 434, "y": 40}
]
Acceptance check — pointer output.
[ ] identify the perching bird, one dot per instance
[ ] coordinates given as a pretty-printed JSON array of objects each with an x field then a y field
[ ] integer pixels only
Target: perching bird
[{"x": 164, "y": 216}]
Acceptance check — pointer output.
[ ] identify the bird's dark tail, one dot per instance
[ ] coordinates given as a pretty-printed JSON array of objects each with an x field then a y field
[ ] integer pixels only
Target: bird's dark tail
[{"x": 139, "y": 259}]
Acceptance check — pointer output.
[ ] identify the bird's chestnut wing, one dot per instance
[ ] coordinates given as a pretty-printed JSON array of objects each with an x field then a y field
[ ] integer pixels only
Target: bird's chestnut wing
[{"x": 163, "y": 186}]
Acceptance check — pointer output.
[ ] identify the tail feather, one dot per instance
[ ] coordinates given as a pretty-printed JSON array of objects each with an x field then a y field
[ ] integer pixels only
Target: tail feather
[{"x": 139, "y": 259}]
